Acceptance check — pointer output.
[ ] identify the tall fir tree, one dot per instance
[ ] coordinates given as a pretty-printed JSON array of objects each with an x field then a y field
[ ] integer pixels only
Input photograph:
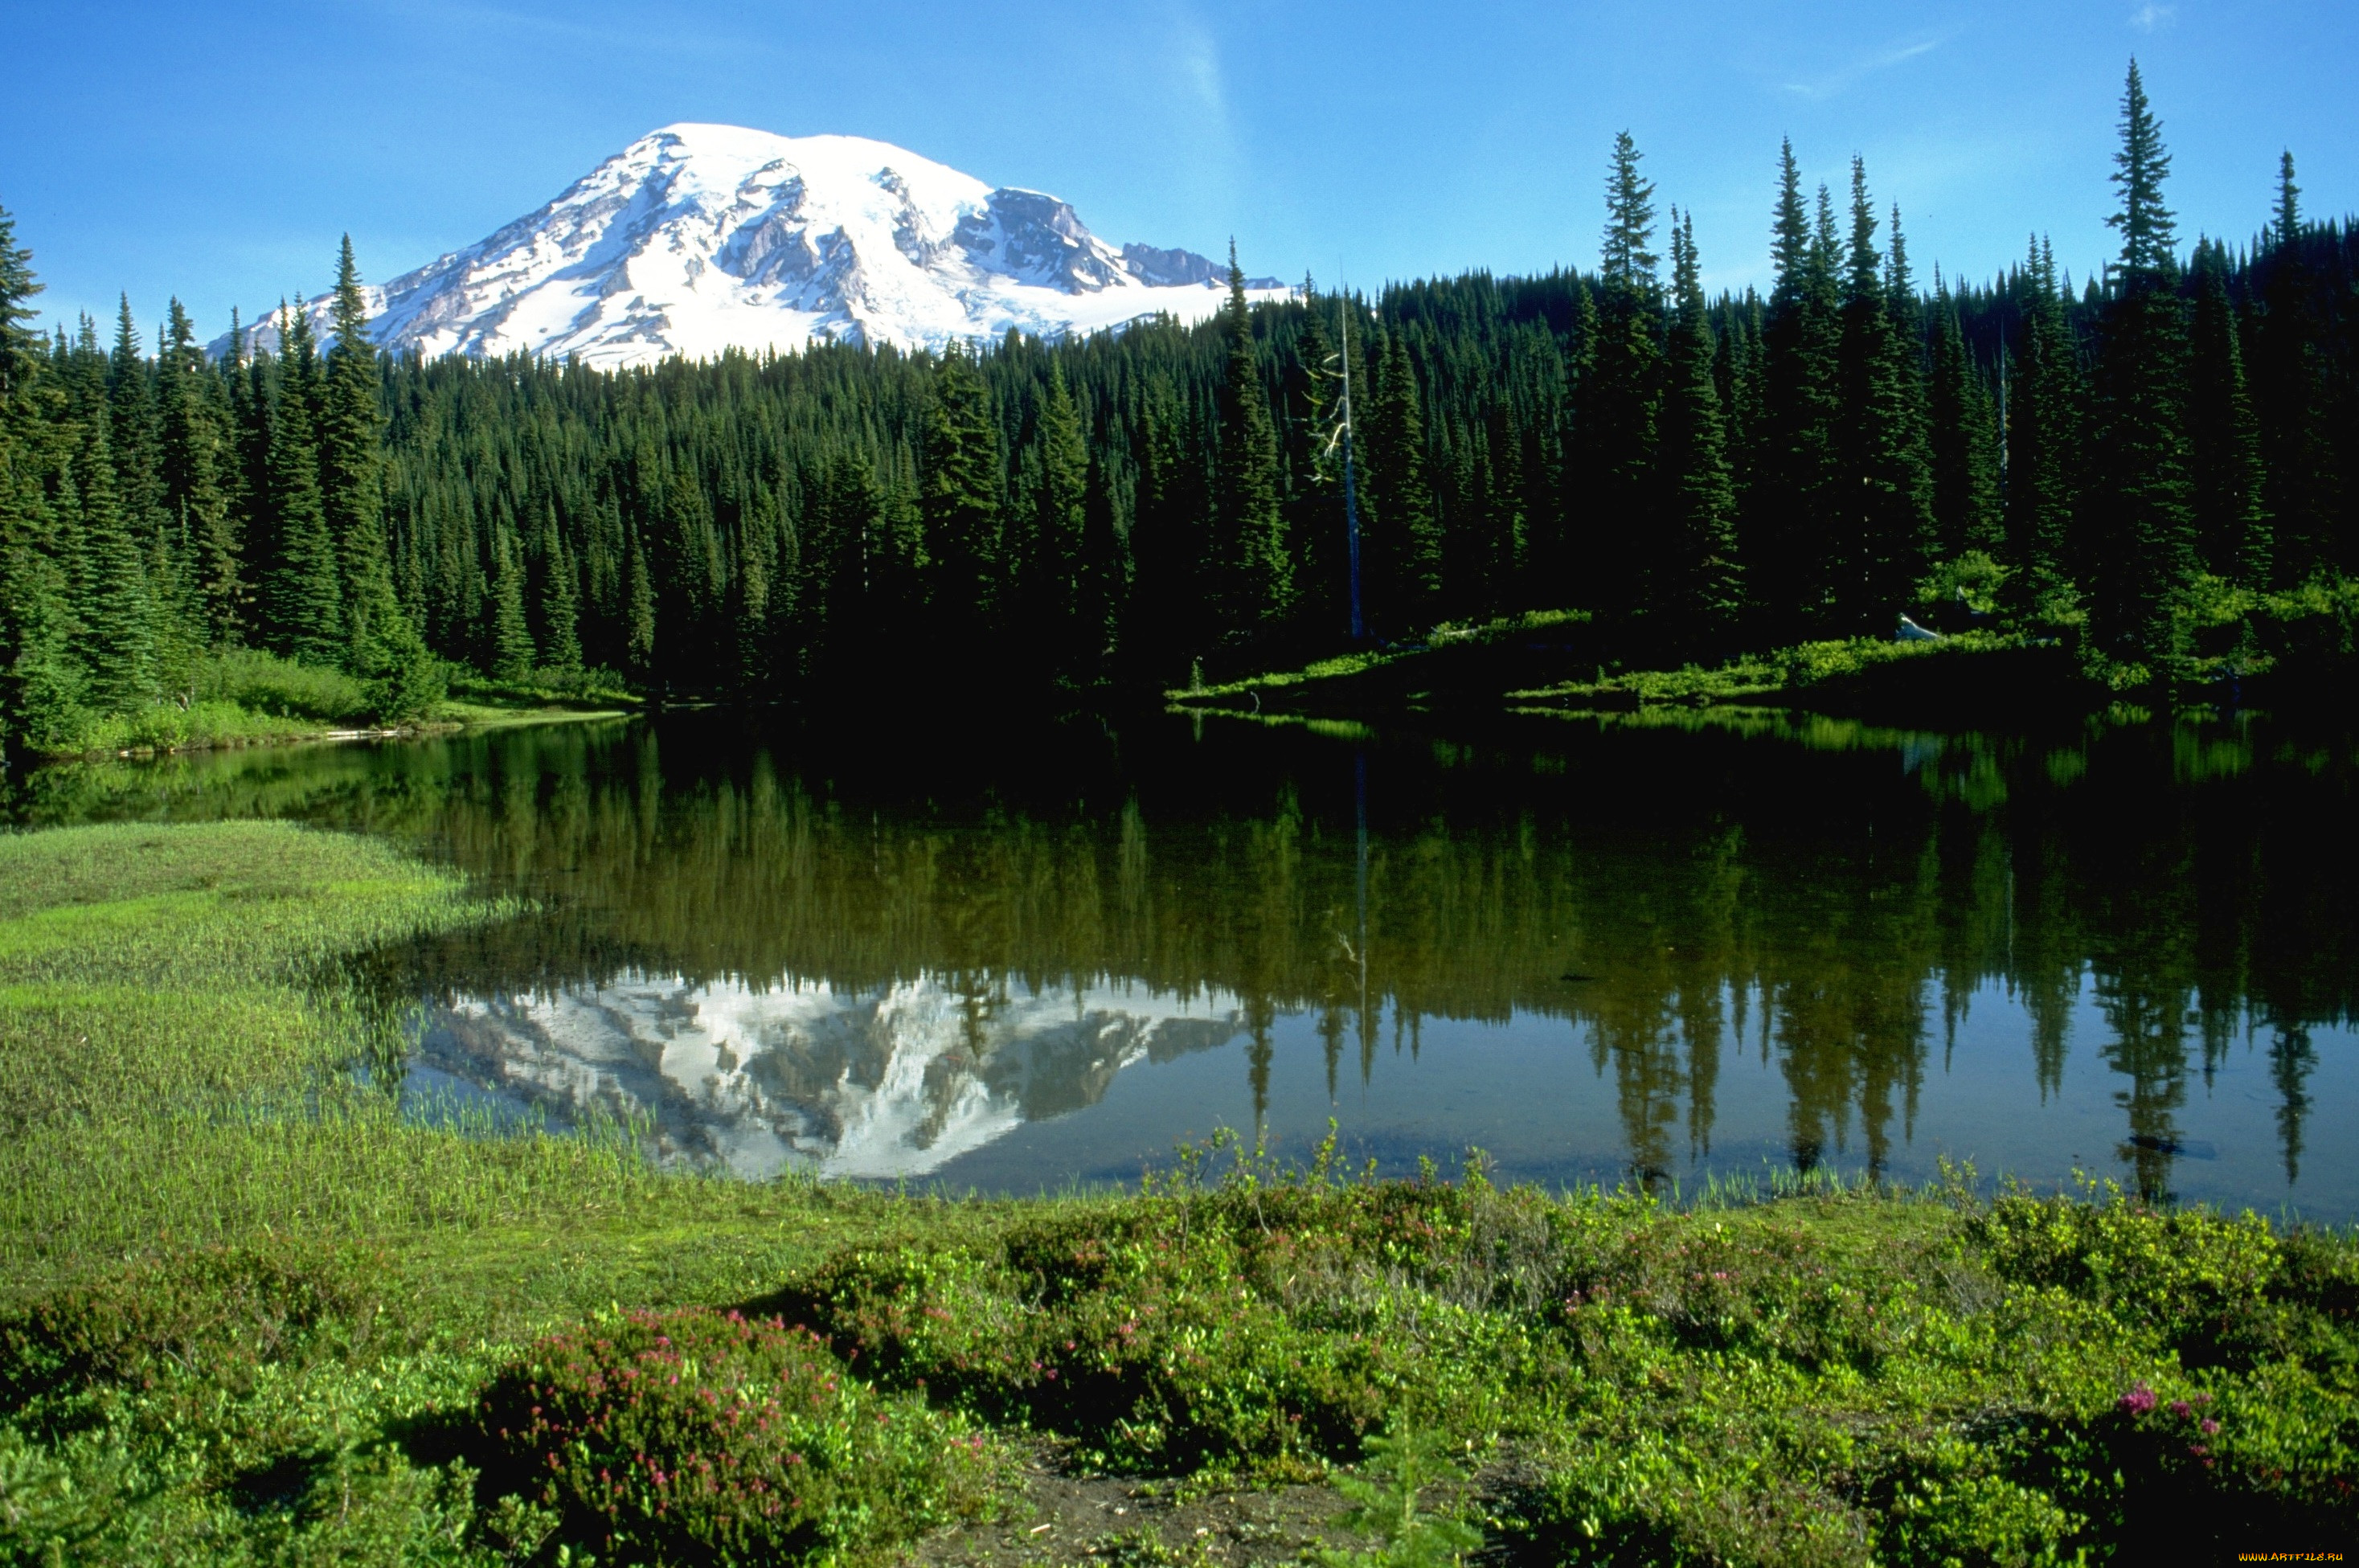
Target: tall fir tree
[
  {"x": 40, "y": 677},
  {"x": 1314, "y": 480},
  {"x": 1786, "y": 530},
  {"x": 2294, "y": 402},
  {"x": 1400, "y": 531},
  {"x": 2045, "y": 435},
  {"x": 697, "y": 639},
  {"x": 1699, "y": 586},
  {"x": 1161, "y": 634},
  {"x": 2231, "y": 526},
  {"x": 1882, "y": 490},
  {"x": 246, "y": 476},
  {"x": 509, "y": 636},
  {"x": 1570, "y": 515},
  {"x": 193, "y": 454},
  {"x": 560, "y": 616},
  {"x": 638, "y": 612},
  {"x": 1962, "y": 441},
  {"x": 1621, "y": 399},
  {"x": 131, "y": 430},
  {"x": 306, "y": 588},
  {"x": 2145, "y": 525},
  {"x": 1062, "y": 648},
  {"x": 958, "y": 498},
  {"x": 386, "y": 649},
  {"x": 1254, "y": 572},
  {"x": 1103, "y": 587},
  {"x": 116, "y": 614}
]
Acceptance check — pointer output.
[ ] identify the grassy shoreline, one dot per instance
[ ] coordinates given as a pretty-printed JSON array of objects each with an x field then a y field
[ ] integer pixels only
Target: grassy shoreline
[
  {"x": 2295, "y": 648},
  {"x": 244, "y": 697},
  {"x": 248, "y": 1313}
]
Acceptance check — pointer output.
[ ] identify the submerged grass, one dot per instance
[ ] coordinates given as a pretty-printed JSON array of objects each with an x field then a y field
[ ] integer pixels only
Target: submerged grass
[{"x": 248, "y": 1313}]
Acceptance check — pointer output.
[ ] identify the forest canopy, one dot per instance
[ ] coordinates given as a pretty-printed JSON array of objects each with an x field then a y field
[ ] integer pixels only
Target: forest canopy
[{"x": 2133, "y": 467}]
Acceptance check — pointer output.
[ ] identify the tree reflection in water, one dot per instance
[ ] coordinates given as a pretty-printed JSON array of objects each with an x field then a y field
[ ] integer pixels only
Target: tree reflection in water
[{"x": 1830, "y": 897}]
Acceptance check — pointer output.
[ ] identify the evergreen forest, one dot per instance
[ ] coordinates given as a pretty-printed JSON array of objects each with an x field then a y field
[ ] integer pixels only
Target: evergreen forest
[{"x": 2147, "y": 467}]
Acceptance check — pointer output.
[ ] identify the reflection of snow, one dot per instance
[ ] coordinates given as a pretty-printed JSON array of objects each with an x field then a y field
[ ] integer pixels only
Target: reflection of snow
[{"x": 896, "y": 1081}]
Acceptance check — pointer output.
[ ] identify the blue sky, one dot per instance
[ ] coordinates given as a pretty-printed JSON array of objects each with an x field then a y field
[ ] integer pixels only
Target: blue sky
[{"x": 216, "y": 152}]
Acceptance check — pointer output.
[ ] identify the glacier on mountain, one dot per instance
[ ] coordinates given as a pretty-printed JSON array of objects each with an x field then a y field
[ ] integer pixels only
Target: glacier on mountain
[{"x": 698, "y": 238}]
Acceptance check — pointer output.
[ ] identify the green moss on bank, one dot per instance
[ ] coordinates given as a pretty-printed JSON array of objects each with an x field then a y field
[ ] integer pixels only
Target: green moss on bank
[{"x": 247, "y": 1314}]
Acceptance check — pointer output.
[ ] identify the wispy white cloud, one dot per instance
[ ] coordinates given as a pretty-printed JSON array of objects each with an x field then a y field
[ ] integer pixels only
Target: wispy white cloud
[
  {"x": 1195, "y": 58},
  {"x": 1836, "y": 81},
  {"x": 2150, "y": 17}
]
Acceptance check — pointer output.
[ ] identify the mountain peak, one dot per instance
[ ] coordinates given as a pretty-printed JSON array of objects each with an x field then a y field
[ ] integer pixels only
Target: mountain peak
[{"x": 699, "y": 237}]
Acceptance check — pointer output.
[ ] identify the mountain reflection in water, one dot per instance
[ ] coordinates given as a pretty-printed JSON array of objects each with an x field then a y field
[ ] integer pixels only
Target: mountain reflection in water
[
  {"x": 1665, "y": 945},
  {"x": 890, "y": 1081}
]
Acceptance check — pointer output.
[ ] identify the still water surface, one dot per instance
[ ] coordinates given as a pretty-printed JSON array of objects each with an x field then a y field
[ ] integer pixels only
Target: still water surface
[{"x": 1600, "y": 951}]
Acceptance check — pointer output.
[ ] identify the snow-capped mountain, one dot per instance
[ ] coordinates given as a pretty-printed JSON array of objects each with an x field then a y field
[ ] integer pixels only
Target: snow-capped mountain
[
  {"x": 897, "y": 1081},
  {"x": 698, "y": 238}
]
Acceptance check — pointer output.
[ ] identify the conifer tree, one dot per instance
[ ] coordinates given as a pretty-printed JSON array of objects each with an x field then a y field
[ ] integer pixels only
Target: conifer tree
[
  {"x": 1882, "y": 489},
  {"x": 246, "y": 474},
  {"x": 560, "y": 641},
  {"x": 2232, "y": 528},
  {"x": 750, "y": 608},
  {"x": 1314, "y": 480},
  {"x": 193, "y": 453},
  {"x": 116, "y": 614},
  {"x": 1402, "y": 536},
  {"x": 20, "y": 345},
  {"x": 1911, "y": 370},
  {"x": 1736, "y": 372},
  {"x": 306, "y": 589},
  {"x": 1103, "y": 584},
  {"x": 2044, "y": 434},
  {"x": 40, "y": 678},
  {"x": 1794, "y": 461},
  {"x": 509, "y": 635},
  {"x": 959, "y": 500},
  {"x": 1254, "y": 572},
  {"x": 2146, "y": 530},
  {"x": 1621, "y": 399},
  {"x": 386, "y": 649},
  {"x": 1962, "y": 440},
  {"x": 2292, "y": 398},
  {"x": 1700, "y": 587},
  {"x": 1162, "y": 634},
  {"x": 692, "y": 567},
  {"x": 1059, "y": 470},
  {"x": 131, "y": 433},
  {"x": 1571, "y": 517},
  {"x": 638, "y": 612}
]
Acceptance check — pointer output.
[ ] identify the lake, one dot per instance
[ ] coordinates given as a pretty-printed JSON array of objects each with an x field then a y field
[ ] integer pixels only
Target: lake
[{"x": 1658, "y": 950}]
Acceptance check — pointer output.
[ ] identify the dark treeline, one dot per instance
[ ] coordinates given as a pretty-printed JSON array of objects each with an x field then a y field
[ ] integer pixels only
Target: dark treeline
[{"x": 1117, "y": 512}]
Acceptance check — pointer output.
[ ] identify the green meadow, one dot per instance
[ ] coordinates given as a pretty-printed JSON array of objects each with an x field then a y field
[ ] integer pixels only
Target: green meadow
[{"x": 252, "y": 1314}]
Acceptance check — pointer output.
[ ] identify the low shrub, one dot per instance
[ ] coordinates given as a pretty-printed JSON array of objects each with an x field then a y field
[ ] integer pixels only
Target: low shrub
[
  {"x": 265, "y": 683},
  {"x": 710, "y": 1438},
  {"x": 1266, "y": 1330},
  {"x": 548, "y": 684},
  {"x": 2190, "y": 1276},
  {"x": 215, "y": 1314}
]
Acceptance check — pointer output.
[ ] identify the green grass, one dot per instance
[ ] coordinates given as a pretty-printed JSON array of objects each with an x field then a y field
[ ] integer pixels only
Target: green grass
[
  {"x": 1345, "y": 666},
  {"x": 247, "y": 697},
  {"x": 248, "y": 1315},
  {"x": 1755, "y": 679},
  {"x": 231, "y": 697}
]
